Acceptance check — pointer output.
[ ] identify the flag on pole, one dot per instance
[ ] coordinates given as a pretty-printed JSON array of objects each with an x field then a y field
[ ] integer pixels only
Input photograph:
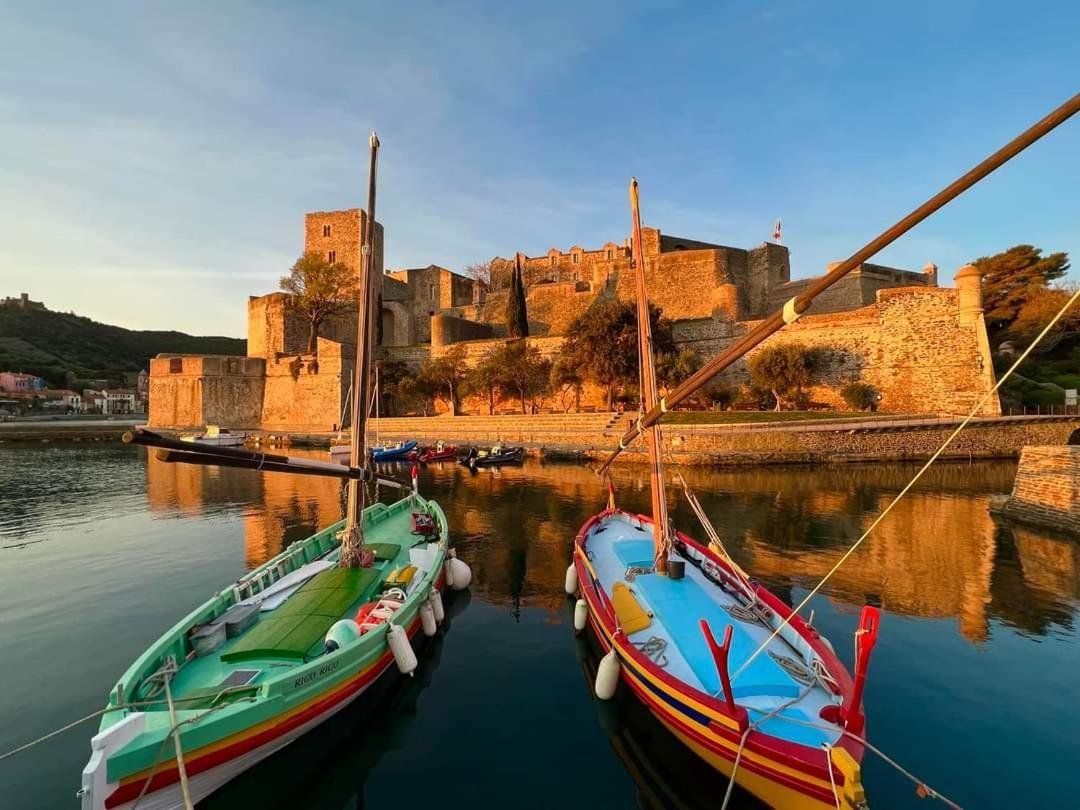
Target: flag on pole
[{"x": 776, "y": 231}]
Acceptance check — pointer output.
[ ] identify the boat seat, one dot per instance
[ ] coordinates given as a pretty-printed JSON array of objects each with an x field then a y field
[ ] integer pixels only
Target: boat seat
[
  {"x": 295, "y": 627},
  {"x": 634, "y": 553},
  {"x": 679, "y": 605}
]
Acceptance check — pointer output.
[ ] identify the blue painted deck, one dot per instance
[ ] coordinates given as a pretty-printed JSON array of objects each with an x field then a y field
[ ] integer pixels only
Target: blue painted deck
[{"x": 678, "y": 605}]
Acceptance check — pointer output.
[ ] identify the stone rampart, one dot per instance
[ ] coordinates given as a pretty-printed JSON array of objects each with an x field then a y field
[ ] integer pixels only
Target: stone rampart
[
  {"x": 1047, "y": 489},
  {"x": 308, "y": 390},
  {"x": 192, "y": 391},
  {"x": 447, "y": 329}
]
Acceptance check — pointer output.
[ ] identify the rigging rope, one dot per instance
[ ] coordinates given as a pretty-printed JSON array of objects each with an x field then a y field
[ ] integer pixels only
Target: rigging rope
[
  {"x": 937, "y": 453},
  {"x": 167, "y": 672}
]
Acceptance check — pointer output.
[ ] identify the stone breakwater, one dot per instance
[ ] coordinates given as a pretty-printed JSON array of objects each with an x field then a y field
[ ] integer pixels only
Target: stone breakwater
[
  {"x": 734, "y": 445},
  {"x": 1046, "y": 492}
]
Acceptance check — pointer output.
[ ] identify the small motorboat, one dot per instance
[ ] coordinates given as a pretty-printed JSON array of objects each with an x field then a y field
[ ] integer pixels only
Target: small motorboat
[
  {"x": 401, "y": 451},
  {"x": 492, "y": 457},
  {"x": 440, "y": 452},
  {"x": 219, "y": 437}
]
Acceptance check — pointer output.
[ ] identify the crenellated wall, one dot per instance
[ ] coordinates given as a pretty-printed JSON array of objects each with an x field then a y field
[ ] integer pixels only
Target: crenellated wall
[{"x": 193, "y": 391}]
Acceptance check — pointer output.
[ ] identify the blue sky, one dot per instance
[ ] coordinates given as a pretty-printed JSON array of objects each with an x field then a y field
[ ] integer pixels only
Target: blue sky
[{"x": 157, "y": 158}]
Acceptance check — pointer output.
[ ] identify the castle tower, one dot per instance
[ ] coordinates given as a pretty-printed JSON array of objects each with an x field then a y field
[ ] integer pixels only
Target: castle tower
[
  {"x": 338, "y": 237},
  {"x": 969, "y": 290}
]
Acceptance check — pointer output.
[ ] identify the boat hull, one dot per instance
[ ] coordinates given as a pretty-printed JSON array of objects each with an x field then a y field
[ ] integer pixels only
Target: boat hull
[
  {"x": 777, "y": 772},
  {"x": 204, "y": 781},
  {"x": 133, "y": 754}
]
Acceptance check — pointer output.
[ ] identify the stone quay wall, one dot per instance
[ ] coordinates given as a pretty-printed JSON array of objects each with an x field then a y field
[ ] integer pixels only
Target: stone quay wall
[
  {"x": 737, "y": 445},
  {"x": 1046, "y": 492}
]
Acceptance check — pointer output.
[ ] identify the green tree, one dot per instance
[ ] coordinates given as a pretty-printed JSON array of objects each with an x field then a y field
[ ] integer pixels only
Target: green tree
[
  {"x": 1013, "y": 278},
  {"x": 447, "y": 376},
  {"x": 415, "y": 393},
  {"x": 391, "y": 374},
  {"x": 566, "y": 382},
  {"x": 601, "y": 343},
  {"x": 784, "y": 370},
  {"x": 1038, "y": 310},
  {"x": 860, "y": 396},
  {"x": 521, "y": 370},
  {"x": 319, "y": 289},
  {"x": 674, "y": 367},
  {"x": 517, "y": 319},
  {"x": 484, "y": 379}
]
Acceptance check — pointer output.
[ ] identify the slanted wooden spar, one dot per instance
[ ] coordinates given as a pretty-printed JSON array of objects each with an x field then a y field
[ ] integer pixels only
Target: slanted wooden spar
[{"x": 800, "y": 303}]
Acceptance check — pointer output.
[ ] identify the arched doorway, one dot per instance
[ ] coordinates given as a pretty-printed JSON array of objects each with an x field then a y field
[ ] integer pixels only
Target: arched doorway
[{"x": 388, "y": 323}]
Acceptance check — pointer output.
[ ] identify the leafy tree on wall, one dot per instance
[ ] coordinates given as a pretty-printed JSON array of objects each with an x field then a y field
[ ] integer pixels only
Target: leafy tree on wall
[
  {"x": 785, "y": 370},
  {"x": 484, "y": 378},
  {"x": 1013, "y": 280},
  {"x": 674, "y": 367},
  {"x": 601, "y": 343},
  {"x": 521, "y": 370},
  {"x": 566, "y": 383},
  {"x": 517, "y": 319},
  {"x": 319, "y": 289},
  {"x": 447, "y": 376}
]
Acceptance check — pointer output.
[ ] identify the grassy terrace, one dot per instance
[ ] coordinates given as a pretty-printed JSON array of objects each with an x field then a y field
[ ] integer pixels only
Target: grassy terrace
[{"x": 741, "y": 417}]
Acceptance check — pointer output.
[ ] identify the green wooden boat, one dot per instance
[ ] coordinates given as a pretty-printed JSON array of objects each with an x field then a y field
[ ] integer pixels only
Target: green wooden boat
[
  {"x": 271, "y": 657},
  {"x": 290, "y": 644}
]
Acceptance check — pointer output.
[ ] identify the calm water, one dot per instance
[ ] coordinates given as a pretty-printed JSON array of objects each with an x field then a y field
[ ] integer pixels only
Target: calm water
[{"x": 973, "y": 684}]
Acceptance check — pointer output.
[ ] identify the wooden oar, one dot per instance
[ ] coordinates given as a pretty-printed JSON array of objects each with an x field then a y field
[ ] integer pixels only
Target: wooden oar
[
  {"x": 800, "y": 303},
  {"x": 175, "y": 451}
]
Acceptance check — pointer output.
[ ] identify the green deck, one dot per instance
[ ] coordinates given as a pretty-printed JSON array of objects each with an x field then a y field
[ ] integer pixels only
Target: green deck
[{"x": 298, "y": 625}]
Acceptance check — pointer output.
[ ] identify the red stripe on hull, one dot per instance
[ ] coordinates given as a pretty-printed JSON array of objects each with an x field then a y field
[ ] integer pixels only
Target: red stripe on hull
[{"x": 161, "y": 779}]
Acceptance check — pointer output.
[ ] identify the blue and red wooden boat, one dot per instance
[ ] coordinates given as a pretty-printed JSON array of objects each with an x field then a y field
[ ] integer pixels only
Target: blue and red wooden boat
[{"x": 772, "y": 707}]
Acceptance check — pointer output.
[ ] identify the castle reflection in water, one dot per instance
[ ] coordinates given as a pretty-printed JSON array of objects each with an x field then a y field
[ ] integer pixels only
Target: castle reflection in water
[{"x": 938, "y": 555}]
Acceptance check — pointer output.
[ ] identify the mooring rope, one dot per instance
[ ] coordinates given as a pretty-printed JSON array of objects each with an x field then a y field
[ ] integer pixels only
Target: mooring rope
[
  {"x": 136, "y": 704},
  {"x": 937, "y": 453}
]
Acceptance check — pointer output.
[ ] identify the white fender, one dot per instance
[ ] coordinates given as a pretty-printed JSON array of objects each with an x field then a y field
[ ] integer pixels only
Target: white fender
[
  {"x": 436, "y": 604},
  {"x": 462, "y": 574},
  {"x": 404, "y": 656},
  {"x": 607, "y": 676},
  {"x": 581, "y": 615},
  {"x": 571, "y": 580},
  {"x": 342, "y": 632},
  {"x": 427, "y": 619}
]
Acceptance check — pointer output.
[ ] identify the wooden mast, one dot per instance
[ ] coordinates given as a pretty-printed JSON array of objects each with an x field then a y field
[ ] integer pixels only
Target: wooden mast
[
  {"x": 352, "y": 542},
  {"x": 649, "y": 395}
]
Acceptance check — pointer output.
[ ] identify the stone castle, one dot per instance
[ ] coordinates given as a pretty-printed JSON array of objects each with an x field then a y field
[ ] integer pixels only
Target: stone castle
[{"x": 923, "y": 347}]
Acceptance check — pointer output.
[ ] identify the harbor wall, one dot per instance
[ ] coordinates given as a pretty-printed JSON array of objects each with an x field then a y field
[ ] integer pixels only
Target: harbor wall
[{"x": 1046, "y": 492}]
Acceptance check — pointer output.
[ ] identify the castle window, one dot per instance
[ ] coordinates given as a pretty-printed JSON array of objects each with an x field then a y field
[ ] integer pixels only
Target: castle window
[
  {"x": 331, "y": 256},
  {"x": 575, "y": 276},
  {"x": 325, "y": 230},
  {"x": 552, "y": 261},
  {"x": 610, "y": 254},
  {"x": 176, "y": 365},
  {"x": 431, "y": 291},
  {"x": 577, "y": 258}
]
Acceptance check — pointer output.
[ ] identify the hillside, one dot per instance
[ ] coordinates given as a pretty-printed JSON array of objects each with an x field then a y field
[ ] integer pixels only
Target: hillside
[{"x": 50, "y": 344}]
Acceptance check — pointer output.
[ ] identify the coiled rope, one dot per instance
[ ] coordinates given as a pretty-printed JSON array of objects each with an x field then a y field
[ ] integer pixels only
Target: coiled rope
[
  {"x": 937, "y": 453},
  {"x": 654, "y": 648}
]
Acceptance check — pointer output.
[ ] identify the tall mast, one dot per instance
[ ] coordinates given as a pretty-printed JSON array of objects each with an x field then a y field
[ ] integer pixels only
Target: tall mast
[
  {"x": 352, "y": 545},
  {"x": 649, "y": 395}
]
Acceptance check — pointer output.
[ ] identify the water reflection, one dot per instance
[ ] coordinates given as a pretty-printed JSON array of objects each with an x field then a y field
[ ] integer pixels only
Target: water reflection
[{"x": 938, "y": 555}]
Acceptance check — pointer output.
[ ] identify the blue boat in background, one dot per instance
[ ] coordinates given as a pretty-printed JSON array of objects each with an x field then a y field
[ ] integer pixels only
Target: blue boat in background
[{"x": 394, "y": 452}]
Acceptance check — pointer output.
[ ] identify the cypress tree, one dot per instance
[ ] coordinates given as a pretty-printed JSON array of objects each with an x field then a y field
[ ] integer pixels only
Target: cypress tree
[{"x": 517, "y": 320}]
